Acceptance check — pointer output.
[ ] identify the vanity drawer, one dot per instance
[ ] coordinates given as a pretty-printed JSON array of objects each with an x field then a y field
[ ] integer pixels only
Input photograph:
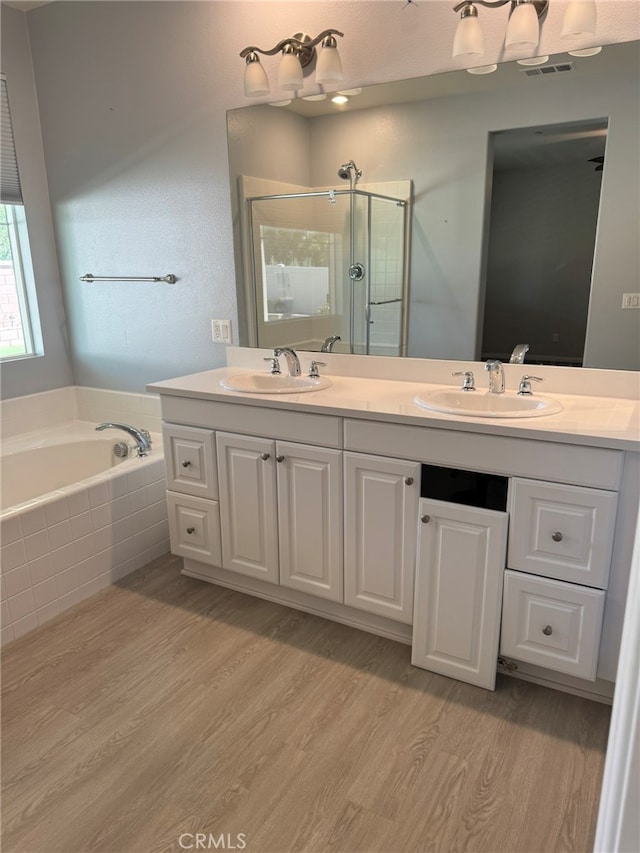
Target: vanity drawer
[
  {"x": 194, "y": 528},
  {"x": 563, "y": 532},
  {"x": 552, "y": 624},
  {"x": 190, "y": 460}
]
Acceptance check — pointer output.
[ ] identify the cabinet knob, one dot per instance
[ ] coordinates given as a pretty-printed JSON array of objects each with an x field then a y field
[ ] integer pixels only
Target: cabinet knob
[
  {"x": 425, "y": 519},
  {"x": 408, "y": 481},
  {"x": 547, "y": 630},
  {"x": 279, "y": 458},
  {"x": 557, "y": 536},
  {"x": 186, "y": 463},
  {"x": 265, "y": 456},
  {"x": 191, "y": 530}
]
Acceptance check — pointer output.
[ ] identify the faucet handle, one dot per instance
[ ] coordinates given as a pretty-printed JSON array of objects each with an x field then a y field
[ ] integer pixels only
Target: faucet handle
[
  {"x": 275, "y": 365},
  {"x": 313, "y": 369},
  {"x": 468, "y": 383},
  {"x": 524, "y": 389}
]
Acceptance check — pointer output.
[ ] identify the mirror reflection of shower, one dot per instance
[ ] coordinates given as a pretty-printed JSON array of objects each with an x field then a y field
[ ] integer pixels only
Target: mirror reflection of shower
[
  {"x": 328, "y": 262},
  {"x": 350, "y": 172}
]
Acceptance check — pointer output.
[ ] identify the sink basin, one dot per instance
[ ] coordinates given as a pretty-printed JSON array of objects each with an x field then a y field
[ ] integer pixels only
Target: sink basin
[
  {"x": 269, "y": 383},
  {"x": 477, "y": 404}
]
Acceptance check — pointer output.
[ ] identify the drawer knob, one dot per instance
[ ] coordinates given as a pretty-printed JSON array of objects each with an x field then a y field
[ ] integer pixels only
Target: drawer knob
[
  {"x": 186, "y": 463},
  {"x": 547, "y": 630},
  {"x": 279, "y": 458},
  {"x": 557, "y": 536},
  {"x": 408, "y": 481},
  {"x": 425, "y": 519},
  {"x": 265, "y": 456},
  {"x": 191, "y": 530}
]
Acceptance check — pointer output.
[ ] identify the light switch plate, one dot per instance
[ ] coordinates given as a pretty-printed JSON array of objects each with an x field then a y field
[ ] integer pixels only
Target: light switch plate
[
  {"x": 221, "y": 331},
  {"x": 630, "y": 300}
]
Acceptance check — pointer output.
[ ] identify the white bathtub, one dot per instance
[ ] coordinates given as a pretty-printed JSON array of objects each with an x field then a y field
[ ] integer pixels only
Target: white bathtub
[{"x": 74, "y": 518}]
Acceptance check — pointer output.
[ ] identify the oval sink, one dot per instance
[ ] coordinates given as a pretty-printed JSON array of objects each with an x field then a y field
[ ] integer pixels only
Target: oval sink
[
  {"x": 269, "y": 383},
  {"x": 485, "y": 405}
]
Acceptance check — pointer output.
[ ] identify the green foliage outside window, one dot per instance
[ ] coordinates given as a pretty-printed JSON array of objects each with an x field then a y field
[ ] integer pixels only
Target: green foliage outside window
[{"x": 5, "y": 245}]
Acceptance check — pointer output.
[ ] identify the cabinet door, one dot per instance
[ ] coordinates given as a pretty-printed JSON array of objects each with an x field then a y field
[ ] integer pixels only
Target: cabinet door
[
  {"x": 194, "y": 528},
  {"x": 190, "y": 460},
  {"x": 248, "y": 520},
  {"x": 552, "y": 624},
  {"x": 562, "y": 532},
  {"x": 459, "y": 576},
  {"x": 381, "y": 512},
  {"x": 310, "y": 519}
]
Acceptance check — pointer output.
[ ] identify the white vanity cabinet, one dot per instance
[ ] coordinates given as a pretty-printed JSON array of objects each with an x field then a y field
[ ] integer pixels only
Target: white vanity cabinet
[
  {"x": 281, "y": 517},
  {"x": 193, "y": 508},
  {"x": 481, "y": 547},
  {"x": 561, "y": 543},
  {"x": 460, "y": 567},
  {"x": 381, "y": 511}
]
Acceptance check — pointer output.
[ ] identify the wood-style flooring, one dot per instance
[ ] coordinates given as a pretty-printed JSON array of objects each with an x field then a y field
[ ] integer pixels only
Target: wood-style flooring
[{"x": 164, "y": 707}]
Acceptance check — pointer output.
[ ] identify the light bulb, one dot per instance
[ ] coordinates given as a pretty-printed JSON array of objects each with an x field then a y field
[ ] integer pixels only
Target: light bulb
[
  {"x": 329, "y": 65},
  {"x": 256, "y": 81},
  {"x": 579, "y": 19},
  {"x": 523, "y": 29},
  {"x": 468, "y": 40},
  {"x": 290, "y": 70}
]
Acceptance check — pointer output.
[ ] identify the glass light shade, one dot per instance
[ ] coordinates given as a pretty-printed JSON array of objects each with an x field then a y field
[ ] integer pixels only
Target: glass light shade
[
  {"x": 482, "y": 69},
  {"x": 523, "y": 30},
  {"x": 329, "y": 65},
  {"x": 533, "y": 60},
  {"x": 579, "y": 19},
  {"x": 290, "y": 72},
  {"x": 256, "y": 81},
  {"x": 468, "y": 40},
  {"x": 586, "y": 51}
]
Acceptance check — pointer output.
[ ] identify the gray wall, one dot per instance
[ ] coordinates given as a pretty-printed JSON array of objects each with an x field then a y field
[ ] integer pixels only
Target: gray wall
[
  {"x": 53, "y": 369},
  {"x": 442, "y": 145},
  {"x": 133, "y": 97}
]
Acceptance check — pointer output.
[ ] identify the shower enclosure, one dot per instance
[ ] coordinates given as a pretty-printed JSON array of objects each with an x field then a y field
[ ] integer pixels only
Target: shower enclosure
[{"x": 329, "y": 263}]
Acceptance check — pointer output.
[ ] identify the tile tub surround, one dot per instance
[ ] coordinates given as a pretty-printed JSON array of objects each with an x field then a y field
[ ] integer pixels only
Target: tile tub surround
[
  {"x": 61, "y": 548},
  {"x": 37, "y": 411}
]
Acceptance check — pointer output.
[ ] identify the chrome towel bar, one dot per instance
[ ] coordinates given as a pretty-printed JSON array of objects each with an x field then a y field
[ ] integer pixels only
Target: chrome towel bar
[{"x": 170, "y": 279}]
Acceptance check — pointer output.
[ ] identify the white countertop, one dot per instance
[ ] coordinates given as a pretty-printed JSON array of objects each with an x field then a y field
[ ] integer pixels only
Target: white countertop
[{"x": 593, "y": 421}]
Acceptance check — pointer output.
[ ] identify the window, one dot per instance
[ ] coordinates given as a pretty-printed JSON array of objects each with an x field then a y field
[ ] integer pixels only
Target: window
[{"x": 16, "y": 291}]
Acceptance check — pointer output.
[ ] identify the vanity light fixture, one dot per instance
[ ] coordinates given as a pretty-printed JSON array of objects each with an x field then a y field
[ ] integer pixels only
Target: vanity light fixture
[
  {"x": 523, "y": 27},
  {"x": 298, "y": 53}
]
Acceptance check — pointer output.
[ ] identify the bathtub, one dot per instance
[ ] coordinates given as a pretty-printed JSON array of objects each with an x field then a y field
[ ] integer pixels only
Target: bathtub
[{"x": 74, "y": 518}]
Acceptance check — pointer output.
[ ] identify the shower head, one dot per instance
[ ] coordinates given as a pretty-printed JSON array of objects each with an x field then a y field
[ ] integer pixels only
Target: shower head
[{"x": 350, "y": 172}]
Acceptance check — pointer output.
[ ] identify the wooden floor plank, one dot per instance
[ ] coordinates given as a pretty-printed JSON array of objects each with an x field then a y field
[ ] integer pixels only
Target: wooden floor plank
[{"x": 165, "y": 706}]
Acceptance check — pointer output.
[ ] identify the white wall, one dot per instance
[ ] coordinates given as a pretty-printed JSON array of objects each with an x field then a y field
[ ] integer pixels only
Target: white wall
[
  {"x": 133, "y": 99},
  {"x": 53, "y": 370}
]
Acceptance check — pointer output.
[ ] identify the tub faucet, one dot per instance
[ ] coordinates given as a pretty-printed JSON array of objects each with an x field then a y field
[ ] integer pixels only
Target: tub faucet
[
  {"x": 496, "y": 376},
  {"x": 142, "y": 437},
  {"x": 329, "y": 343},
  {"x": 518, "y": 354},
  {"x": 293, "y": 362}
]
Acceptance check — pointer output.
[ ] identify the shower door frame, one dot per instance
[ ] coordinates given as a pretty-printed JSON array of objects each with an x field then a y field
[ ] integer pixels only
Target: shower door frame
[{"x": 251, "y": 291}]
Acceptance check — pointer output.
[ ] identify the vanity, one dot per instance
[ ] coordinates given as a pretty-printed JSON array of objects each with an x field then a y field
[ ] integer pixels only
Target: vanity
[{"x": 486, "y": 542}]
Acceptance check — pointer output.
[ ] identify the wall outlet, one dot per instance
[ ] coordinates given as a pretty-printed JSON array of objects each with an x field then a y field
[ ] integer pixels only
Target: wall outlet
[
  {"x": 221, "y": 331},
  {"x": 630, "y": 300}
]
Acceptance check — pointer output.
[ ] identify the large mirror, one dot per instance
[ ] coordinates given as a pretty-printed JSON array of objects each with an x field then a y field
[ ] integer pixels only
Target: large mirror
[{"x": 519, "y": 193}]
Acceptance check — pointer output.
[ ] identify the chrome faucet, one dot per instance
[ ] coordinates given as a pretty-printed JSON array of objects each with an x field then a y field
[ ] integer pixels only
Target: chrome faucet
[
  {"x": 518, "y": 354},
  {"x": 293, "y": 362},
  {"x": 496, "y": 376},
  {"x": 329, "y": 343},
  {"x": 142, "y": 437}
]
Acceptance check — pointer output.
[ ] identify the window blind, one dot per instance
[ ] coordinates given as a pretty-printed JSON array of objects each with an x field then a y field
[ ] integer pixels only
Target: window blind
[{"x": 10, "y": 190}]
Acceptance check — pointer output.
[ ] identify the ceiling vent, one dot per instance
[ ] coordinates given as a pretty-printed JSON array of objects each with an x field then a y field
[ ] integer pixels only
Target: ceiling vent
[{"x": 548, "y": 69}]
